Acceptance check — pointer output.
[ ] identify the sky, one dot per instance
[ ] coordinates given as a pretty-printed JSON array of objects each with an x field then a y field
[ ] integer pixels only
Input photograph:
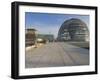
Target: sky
[{"x": 49, "y": 23}]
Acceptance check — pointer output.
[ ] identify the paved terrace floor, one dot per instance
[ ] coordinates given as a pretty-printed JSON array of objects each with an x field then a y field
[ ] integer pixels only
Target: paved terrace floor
[{"x": 56, "y": 54}]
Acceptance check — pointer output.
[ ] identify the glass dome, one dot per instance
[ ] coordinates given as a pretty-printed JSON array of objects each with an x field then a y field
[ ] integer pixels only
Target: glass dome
[{"x": 73, "y": 30}]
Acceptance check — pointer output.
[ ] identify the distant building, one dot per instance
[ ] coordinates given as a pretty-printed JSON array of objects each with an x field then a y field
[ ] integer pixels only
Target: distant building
[
  {"x": 30, "y": 37},
  {"x": 73, "y": 30},
  {"x": 48, "y": 37}
]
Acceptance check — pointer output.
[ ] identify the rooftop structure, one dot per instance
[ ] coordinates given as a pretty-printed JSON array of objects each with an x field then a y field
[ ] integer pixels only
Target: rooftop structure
[{"x": 73, "y": 30}]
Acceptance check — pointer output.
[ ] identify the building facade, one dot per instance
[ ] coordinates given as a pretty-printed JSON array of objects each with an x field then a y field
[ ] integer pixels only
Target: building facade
[{"x": 30, "y": 37}]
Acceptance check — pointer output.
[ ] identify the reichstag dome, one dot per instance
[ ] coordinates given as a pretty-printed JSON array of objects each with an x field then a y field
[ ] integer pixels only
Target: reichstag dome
[{"x": 73, "y": 30}]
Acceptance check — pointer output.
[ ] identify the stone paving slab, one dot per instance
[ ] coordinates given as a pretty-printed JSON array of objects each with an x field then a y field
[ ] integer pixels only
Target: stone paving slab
[{"x": 56, "y": 54}]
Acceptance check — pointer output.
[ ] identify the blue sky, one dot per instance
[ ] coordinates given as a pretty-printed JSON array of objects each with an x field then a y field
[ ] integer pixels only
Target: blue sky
[{"x": 49, "y": 23}]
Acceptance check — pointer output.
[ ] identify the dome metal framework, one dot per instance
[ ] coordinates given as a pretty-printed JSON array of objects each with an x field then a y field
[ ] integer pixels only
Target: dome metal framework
[{"x": 73, "y": 30}]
